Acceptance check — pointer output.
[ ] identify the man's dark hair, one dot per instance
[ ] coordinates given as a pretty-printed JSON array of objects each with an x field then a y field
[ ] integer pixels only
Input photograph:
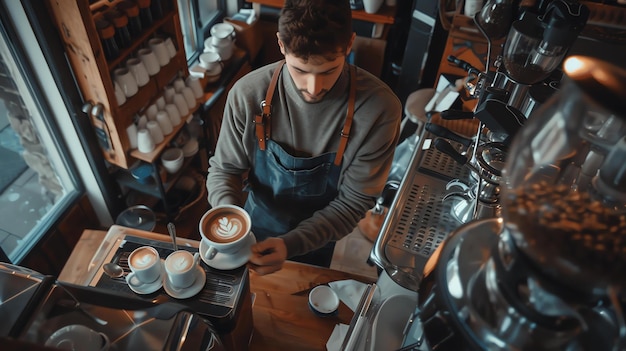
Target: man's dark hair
[{"x": 315, "y": 27}]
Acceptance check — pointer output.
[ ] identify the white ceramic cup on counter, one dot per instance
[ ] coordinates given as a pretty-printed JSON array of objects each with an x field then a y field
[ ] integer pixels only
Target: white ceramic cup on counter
[
  {"x": 126, "y": 81},
  {"x": 145, "y": 263},
  {"x": 78, "y": 337},
  {"x": 180, "y": 267}
]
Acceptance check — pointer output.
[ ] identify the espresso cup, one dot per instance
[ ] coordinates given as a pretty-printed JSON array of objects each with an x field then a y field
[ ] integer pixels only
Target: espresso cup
[
  {"x": 224, "y": 229},
  {"x": 145, "y": 263},
  {"x": 180, "y": 267}
]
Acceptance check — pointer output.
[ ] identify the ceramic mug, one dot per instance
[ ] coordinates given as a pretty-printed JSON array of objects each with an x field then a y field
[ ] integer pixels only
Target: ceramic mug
[
  {"x": 180, "y": 267},
  {"x": 145, "y": 263},
  {"x": 126, "y": 81},
  {"x": 160, "y": 49},
  {"x": 224, "y": 229},
  {"x": 155, "y": 131},
  {"x": 138, "y": 69},
  {"x": 222, "y": 33},
  {"x": 149, "y": 60},
  {"x": 189, "y": 97},
  {"x": 181, "y": 104},
  {"x": 164, "y": 122},
  {"x": 225, "y": 51},
  {"x": 173, "y": 113},
  {"x": 211, "y": 62},
  {"x": 196, "y": 86}
]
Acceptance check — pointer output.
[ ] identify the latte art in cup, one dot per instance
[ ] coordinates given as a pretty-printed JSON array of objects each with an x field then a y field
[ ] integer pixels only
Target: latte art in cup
[
  {"x": 179, "y": 262},
  {"x": 225, "y": 226},
  {"x": 224, "y": 229},
  {"x": 143, "y": 258}
]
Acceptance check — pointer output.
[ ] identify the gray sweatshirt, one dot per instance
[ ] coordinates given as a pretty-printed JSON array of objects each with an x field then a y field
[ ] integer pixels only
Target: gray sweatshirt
[{"x": 308, "y": 129}]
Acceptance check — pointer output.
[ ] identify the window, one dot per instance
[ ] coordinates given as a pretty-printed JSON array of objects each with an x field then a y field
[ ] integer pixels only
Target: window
[
  {"x": 37, "y": 181},
  {"x": 196, "y": 19}
]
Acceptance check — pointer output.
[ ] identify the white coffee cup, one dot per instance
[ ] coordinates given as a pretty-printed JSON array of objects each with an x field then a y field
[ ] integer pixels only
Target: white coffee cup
[
  {"x": 211, "y": 62},
  {"x": 155, "y": 131},
  {"x": 151, "y": 112},
  {"x": 160, "y": 50},
  {"x": 149, "y": 60},
  {"x": 131, "y": 131},
  {"x": 171, "y": 48},
  {"x": 225, "y": 51},
  {"x": 145, "y": 263},
  {"x": 168, "y": 94},
  {"x": 172, "y": 159},
  {"x": 178, "y": 84},
  {"x": 160, "y": 102},
  {"x": 78, "y": 337},
  {"x": 224, "y": 229},
  {"x": 138, "y": 69},
  {"x": 145, "y": 143},
  {"x": 181, "y": 104},
  {"x": 221, "y": 33},
  {"x": 180, "y": 267},
  {"x": 164, "y": 122},
  {"x": 120, "y": 97},
  {"x": 189, "y": 97},
  {"x": 173, "y": 113},
  {"x": 126, "y": 81},
  {"x": 196, "y": 86}
]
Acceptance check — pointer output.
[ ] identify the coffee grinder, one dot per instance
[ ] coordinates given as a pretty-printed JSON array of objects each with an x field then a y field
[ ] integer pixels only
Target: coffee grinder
[{"x": 548, "y": 274}]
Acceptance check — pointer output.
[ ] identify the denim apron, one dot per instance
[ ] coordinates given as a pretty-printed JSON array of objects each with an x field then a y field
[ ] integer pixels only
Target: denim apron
[{"x": 283, "y": 189}]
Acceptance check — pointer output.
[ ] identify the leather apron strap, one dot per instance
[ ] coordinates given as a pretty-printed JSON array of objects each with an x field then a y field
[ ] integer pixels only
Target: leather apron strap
[
  {"x": 263, "y": 133},
  {"x": 345, "y": 131},
  {"x": 263, "y": 121}
]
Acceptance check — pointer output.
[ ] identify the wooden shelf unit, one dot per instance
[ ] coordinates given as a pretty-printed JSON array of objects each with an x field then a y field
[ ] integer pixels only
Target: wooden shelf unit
[{"x": 75, "y": 20}]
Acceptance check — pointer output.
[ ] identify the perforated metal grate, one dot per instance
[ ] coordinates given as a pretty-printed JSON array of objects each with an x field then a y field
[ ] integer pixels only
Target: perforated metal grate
[
  {"x": 440, "y": 165},
  {"x": 425, "y": 220}
]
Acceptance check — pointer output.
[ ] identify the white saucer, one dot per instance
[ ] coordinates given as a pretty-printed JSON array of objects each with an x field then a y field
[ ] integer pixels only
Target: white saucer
[
  {"x": 187, "y": 292},
  {"x": 140, "y": 287},
  {"x": 223, "y": 261}
]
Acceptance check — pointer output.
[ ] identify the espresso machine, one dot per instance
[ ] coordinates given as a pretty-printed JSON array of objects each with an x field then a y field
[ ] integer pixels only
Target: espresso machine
[
  {"x": 525, "y": 74},
  {"x": 548, "y": 273}
]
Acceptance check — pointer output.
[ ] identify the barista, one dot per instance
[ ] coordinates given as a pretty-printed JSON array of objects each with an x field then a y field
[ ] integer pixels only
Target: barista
[{"x": 310, "y": 138}]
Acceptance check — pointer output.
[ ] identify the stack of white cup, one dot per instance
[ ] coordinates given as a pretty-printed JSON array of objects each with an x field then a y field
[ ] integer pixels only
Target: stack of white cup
[{"x": 221, "y": 41}]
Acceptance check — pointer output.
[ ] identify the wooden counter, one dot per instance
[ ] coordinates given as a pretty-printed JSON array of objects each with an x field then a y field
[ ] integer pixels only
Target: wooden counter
[{"x": 282, "y": 319}]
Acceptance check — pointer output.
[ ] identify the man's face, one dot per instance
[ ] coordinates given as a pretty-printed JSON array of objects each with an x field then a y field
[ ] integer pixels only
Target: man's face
[{"x": 315, "y": 76}]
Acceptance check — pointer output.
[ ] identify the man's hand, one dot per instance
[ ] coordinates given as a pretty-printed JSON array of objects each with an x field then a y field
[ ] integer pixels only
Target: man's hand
[{"x": 268, "y": 256}]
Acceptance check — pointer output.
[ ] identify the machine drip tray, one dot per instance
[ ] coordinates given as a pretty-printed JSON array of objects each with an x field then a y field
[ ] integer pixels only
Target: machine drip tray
[{"x": 218, "y": 299}]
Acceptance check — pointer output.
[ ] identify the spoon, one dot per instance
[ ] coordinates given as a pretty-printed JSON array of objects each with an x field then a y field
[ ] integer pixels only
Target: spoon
[
  {"x": 113, "y": 270},
  {"x": 172, "y": 230}
]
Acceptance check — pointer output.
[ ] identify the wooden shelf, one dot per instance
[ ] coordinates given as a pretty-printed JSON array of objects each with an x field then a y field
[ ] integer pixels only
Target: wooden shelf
[{"x": 385, "y": 15}]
